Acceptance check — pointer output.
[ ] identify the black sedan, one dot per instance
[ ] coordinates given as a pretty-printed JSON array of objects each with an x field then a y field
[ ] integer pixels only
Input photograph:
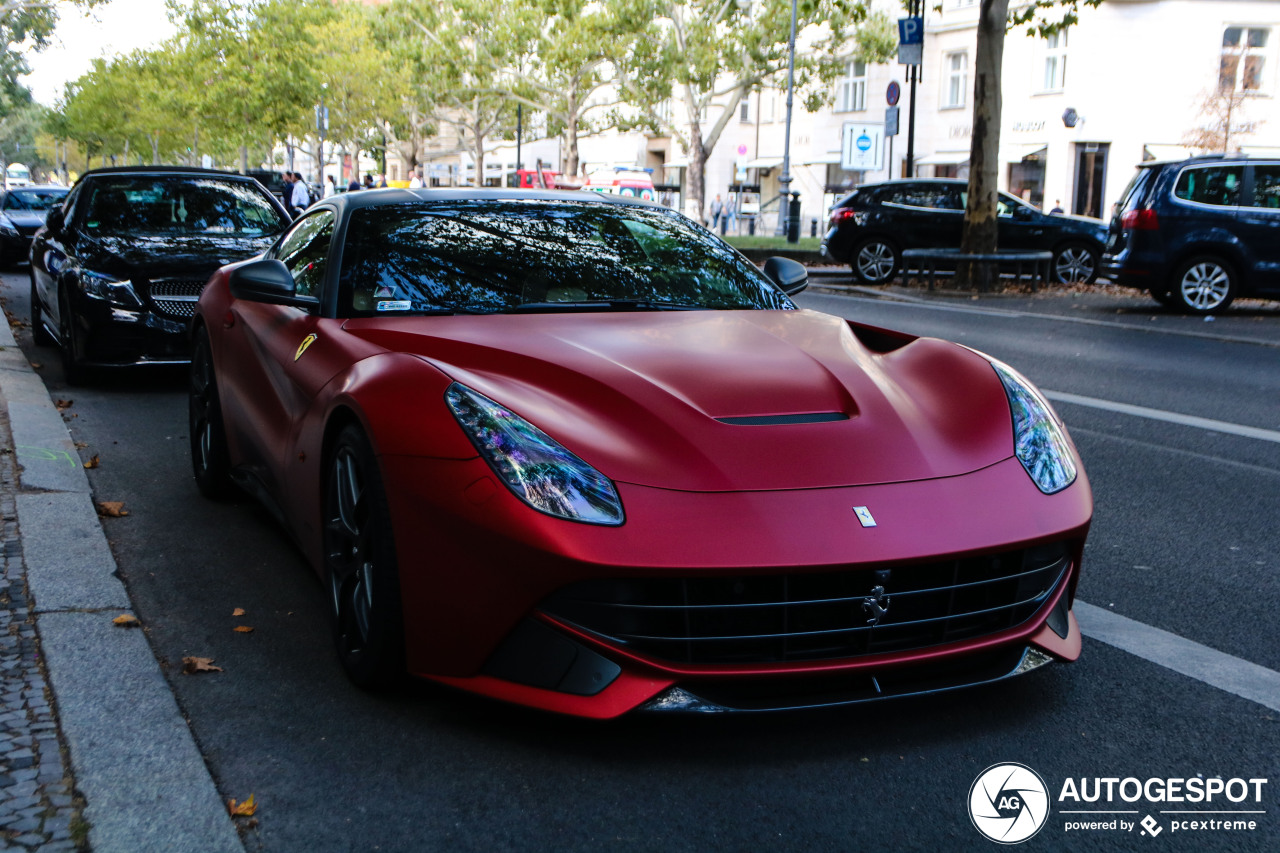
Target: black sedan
[
  {"x": 870, "y": 227},
  {"x": 117, "y": 269},
  {"x": 22, "y": 213}
]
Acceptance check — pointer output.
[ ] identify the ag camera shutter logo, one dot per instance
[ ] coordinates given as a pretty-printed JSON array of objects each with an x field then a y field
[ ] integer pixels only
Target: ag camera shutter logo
[{"x": 1008, "y": 803}]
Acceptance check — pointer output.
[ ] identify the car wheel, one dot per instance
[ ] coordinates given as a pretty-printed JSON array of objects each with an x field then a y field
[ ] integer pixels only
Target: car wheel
[
  {"x": 875, "y": 261},
  {"x": 39, "y": 334},
  {"x": 73, "y": 367},
  {"x": 1204, "y": 285},
  {"x": 210, "y": 459},
  {"x": 361, "y": 574},
  {"x": 1075, "y": 263}
]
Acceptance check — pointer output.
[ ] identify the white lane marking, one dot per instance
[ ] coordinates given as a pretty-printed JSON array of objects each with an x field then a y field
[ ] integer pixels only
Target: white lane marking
[
  {"x": 1167, "y": 417},
  {"x": 1210, "y": 666}
]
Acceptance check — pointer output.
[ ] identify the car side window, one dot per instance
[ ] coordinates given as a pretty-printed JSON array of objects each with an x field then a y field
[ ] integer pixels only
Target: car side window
[
  {"x": 305, "y": 251},
  {"x": 925, "y": 196},
  {"x": 1215, "y": 185},
  {"x": 1266, "y": 187}
]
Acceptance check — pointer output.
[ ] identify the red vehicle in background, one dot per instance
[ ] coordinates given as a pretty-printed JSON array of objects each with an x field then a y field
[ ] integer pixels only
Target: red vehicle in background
[{"x": 625, "y": 182}]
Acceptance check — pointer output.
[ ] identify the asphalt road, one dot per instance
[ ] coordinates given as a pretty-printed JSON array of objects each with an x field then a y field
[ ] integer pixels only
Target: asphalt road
[{"x": 1185, "y": 540}]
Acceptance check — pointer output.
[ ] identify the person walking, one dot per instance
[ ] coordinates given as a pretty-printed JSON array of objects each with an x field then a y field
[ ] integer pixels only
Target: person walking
[
  {"x": 415, "y": 183},
  {"x": 300, "y": 198},
  {"x": 330, "y": 188},
  {"x": 717, "y": 210},
  {"x": 355, "y": 183}
]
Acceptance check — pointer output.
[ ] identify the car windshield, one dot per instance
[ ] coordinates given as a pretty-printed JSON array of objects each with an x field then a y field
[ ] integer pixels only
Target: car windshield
[
  {"x": 178, "y": 204},
  {"x": 534, "y": 255},
  {"x": 33, "y": 199}
]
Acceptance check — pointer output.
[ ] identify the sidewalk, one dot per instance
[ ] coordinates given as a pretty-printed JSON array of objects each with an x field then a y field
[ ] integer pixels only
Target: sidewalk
[{"x": 94, "y": 752}]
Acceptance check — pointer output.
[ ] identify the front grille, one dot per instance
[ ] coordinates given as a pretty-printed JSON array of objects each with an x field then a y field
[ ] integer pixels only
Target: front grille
[
  {"x": 794, "y": 617},
  {"x": 176, "y": 298}
]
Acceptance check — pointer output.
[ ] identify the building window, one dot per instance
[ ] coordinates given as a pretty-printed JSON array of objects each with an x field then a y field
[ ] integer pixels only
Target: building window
[
  {"x": 1244, "y": 53},
  {"x": 960, "y": 4},
  {"x": 956, "y": 79},
  {"x": 744, "y": 111},
  {"x": 1055, "y": 62},
  {"x": 768, "y": 103},
  {"x": 851, "y": 89}
]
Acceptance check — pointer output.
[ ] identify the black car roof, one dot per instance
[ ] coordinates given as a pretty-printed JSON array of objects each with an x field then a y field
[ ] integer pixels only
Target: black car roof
[{"x": 394, "y": 195}]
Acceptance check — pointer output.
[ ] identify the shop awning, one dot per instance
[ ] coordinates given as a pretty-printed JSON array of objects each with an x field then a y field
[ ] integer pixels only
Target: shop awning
[
  {"x": 831, "y": 158},
  {"x": 682, "y": 163},
  {"x": 764, "y": 163},
  {"x": 1154, "y": 151},
  {"x": 1025, "y": 151},
  {"x": 944, "y": 158}
]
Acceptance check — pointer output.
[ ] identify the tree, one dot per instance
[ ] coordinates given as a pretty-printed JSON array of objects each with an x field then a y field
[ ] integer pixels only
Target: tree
[
  {"x": 1221, "y": 116},
  {"x": 712, "y": 53},
  {"x": 25, "y": 25},
  {"x": 456, "y": 53},
  {"x": 1041, "y": 17}
]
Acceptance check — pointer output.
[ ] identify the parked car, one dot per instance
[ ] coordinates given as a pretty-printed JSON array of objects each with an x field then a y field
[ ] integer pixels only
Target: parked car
[
  {"x": 871, "y": 226},
  {"x": 22, "y": 212},
  {"x": 572, "y": 451},
  {"x": 1197, "y": 233},
  {"x": 117, "y": 269}
]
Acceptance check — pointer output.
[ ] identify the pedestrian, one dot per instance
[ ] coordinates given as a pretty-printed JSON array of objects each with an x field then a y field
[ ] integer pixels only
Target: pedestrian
[
  {"x": 415, "y": 183},
  {"x": 368, "y": 180},
  {"x": 355, "y": 183},
  {"x": 717, "y": 210},
  {"x": 331, "y": 188},
  {"x": 300, "y": 198},
  {"x": 382, "y": 180},
  {"x": 730, "y": 215},
  {"x": 286, "y": 189},
  {"x": 1057, "y": 207}
]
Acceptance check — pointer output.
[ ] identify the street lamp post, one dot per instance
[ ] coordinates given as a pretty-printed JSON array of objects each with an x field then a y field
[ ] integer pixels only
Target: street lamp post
[{"x": 784, "y": 180}]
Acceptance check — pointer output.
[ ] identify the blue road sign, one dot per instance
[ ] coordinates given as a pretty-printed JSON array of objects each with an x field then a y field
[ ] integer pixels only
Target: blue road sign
[{"x": 911, "y": 30}]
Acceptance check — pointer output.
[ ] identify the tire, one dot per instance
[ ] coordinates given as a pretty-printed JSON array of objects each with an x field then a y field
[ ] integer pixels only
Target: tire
[
  {"x": 39, "y": 334},
  {"x": 361, "y": 574},
  {"x": 875, "y": 261},
  {"x": 1075, "y": 263},
  {"x": 1204, "y": 285},
  {"x": 210, "y": 459},
  {"x": 74, "y": 370}
]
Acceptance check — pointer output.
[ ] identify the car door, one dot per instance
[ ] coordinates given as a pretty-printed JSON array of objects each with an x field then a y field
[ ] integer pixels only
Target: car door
[
  {"x": 924, "y": 215},
  {"x": 52, "y": 256},
  {"x": 1019, "y": 226},
  {"x": 1258, "y": 225},
  {"x": 263, "y": 389}
]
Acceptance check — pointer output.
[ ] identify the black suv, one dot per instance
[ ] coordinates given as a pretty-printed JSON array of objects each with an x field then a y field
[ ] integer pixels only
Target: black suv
[
  {"x": 871, "y": 226},
  {"x": 1198, "y": 233}
]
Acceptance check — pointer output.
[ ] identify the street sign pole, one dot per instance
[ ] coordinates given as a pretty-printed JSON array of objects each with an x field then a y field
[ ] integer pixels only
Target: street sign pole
[{"x": 911, "y": 33}]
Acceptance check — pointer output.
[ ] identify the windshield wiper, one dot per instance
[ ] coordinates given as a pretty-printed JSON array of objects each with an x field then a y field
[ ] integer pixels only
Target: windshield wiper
[{"x": 602, "y": 305}]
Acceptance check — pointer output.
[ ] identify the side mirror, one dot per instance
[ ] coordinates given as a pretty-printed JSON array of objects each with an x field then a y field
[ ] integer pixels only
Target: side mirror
[
  {"x": 55, "y": 219},
  {"x": 270, "y": 282},
  {"x": 789, "y": 275},
  {"x": 1020, "y": 212}
]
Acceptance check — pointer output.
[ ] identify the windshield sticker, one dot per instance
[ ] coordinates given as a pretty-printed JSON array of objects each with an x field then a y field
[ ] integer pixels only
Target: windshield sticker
[{"x": 395, "y": 305}]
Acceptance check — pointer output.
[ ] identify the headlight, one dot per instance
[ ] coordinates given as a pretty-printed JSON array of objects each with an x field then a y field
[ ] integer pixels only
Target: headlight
[
  {"x": 539, "y": 470},
  {"x": 7, "y": 227},
  {"x": 109, "y": 288},
  {"x": 1040, "y": 441}
]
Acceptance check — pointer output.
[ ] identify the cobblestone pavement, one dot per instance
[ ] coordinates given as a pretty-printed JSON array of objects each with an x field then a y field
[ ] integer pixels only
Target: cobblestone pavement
[{"x": 39, "y": 808}]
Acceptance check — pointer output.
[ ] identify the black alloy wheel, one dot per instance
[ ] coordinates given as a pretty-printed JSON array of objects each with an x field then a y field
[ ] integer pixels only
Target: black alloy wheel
[
  {"x": 1075, "y": 263},
  {"x": 1204, "y": 285},
  {"x": 210, "y": 459},
  {"x": 73, "y": 368},
  {"x": 875, "y": 261},
  {"x": 360, "y": 569},
  {"x": 39, "y": 334}
]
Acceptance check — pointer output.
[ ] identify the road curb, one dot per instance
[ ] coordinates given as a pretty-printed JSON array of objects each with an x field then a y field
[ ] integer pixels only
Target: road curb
[{"x": 134, "y": 757}]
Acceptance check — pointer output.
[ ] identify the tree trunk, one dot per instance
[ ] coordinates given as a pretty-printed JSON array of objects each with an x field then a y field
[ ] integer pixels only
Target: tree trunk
[
  {"x": 696, "y": 182},
  {"x": 980, "y": 223}
]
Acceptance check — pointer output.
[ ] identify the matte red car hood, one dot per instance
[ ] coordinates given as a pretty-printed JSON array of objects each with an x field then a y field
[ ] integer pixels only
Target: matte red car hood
[{"x": 641, "y": 395}]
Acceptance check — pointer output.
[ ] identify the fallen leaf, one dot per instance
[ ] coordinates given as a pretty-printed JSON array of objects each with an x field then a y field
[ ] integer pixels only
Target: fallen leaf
[
  {"x": 81, "y": 445},
  {"x": 36, "y": 365},
  {"x": 245, "y": 809},
  {"x": 63, "y": 405},
  {"x": 92, "y": 463},
  {"x": 192, "y": 665},
  {"x": 112, "y": 509},
  {"x": 239, "y": 611},
  {"x": 127, "y": 620},
  {"x": 242, "y": 629}
]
